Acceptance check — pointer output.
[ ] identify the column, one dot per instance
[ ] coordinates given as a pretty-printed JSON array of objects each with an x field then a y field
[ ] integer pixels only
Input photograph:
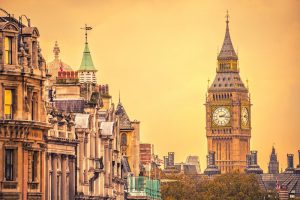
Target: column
[
  {"x": 1, "y": 102},
  {"x": 63, "y": 177},
  {"x": 81, "y": 157},
  {"x": 72, "y": 177},
  {"x": 110, "y": 163},
  {"x": 42, "y": 173},
  {"x": 87, "y": 144},
  {"x": 25, "y": 172},
  {"x": 47, "y": 184},
  {"x": 54, "y": 177},
  {"x": 107, "y": 163}
]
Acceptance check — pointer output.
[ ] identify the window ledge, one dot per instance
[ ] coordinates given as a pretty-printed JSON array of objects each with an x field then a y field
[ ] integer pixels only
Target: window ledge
[{"x": 9, "y": 184}]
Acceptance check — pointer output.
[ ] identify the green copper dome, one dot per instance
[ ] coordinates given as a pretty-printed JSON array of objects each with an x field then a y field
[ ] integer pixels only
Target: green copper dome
[{"x": 87, "y": 62}]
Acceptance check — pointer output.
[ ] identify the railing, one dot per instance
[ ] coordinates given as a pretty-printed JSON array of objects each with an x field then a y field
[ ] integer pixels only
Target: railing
[{"x": 143, "y": 187}]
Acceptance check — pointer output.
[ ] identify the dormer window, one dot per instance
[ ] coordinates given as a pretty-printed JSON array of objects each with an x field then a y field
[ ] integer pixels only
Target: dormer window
[{"x": 8, "y": 50}]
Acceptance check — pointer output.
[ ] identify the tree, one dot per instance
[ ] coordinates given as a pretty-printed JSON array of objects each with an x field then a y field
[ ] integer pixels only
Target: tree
[{"x": 232, "y": 186}]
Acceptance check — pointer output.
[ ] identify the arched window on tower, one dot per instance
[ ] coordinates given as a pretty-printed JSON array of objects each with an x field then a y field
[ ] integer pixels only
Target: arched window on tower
[{"x": 124, "y": 139}]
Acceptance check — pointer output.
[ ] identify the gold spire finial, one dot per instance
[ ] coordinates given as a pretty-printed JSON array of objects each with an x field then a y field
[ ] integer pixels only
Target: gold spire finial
[{"x": 227, "y": 17}]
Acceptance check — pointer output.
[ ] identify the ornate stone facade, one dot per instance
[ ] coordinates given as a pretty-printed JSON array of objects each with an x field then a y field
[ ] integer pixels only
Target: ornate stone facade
[
  {"x": 61, "y": 156},
  {"x": 228, "y": 112},
  {"x": 23, "y": 122},
  {"x": 96, "y": 129},
  {"x": 60, "y": 136}
]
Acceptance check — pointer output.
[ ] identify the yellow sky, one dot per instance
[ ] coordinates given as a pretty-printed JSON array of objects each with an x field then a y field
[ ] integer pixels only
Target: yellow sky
[{"x": 160, "y": 53}]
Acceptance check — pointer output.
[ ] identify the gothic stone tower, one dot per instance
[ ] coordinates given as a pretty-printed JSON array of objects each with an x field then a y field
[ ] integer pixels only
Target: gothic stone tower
[{"x": 228, "y": 116}]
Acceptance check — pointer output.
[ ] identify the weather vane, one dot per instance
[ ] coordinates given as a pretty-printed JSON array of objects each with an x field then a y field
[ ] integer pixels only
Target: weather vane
[{"x": 86, "y": 28}]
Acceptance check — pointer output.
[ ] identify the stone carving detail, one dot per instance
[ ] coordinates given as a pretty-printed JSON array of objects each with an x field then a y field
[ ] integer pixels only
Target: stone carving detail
[{"x": 11, "y": 28}]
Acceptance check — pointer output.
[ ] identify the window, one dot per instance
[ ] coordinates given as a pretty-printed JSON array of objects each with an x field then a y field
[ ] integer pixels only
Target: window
[
  {"x": 9, "y": 168},
  {"x": 8, "y": 105},
  {"x": 124, "y": 139},
  {"x": 34, "y": 163},
  {"x": 8, "y": 50},
  {"x": 34, "y": 106}
]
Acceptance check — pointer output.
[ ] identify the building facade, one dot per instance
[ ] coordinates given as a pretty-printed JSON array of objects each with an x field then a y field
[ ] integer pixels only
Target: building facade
[
  {"x": 146, "y": 153},
  {"x": 61, "y": 137},
  {"x": 98, "y": 171},
  {"x": 228, "y": 112},
  {"x": 61, "y": 156},
  {"x": 23, "y": 122},
  {"x": 130, "y": 139}
]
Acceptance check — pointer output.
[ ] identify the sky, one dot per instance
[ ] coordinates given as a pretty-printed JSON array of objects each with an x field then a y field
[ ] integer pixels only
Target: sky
[{"x": 160, "y": 53}]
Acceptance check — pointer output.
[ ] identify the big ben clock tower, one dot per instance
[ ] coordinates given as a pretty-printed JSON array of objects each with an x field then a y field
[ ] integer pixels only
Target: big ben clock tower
[{"x": 228, "y": 116}]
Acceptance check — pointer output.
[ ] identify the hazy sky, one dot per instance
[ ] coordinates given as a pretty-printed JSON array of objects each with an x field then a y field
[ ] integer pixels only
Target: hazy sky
[{"x": 160, "y": 53}]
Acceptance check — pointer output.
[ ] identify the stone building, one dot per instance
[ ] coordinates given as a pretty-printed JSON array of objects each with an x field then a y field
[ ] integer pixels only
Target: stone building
[
  {"x": 228, "y": 114},
  {"x": 146, "y": 153},
  {"x": 91, "y": 116},
  {"x": 130, "y": 139},
  {"x": 61, "y": 156},
  {"x": 286, "y": 184},
  {"x": 23, "y": 122},
  {"x": 150, "y": 163}
]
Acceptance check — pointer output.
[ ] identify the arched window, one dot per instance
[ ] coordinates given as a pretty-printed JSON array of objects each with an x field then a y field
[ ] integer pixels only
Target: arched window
[{"x": 124, "y": 139}]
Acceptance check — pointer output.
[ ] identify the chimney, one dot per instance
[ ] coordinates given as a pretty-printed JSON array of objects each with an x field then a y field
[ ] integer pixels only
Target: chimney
[
  {"x": 290, "y": 164},
  {"x": 211, "y": 169},
  {"x": 290, "y": 160},
  {"x": 253, "y": 157},
  {"x": 211, "y": 158},
  {"x": 248, "y": 160},
  {"x": 299, "y": 158},
  {"x": 166, "y": 163},
  {"x": 297, "y": 170},
  {"x": 252, "y": 166}
]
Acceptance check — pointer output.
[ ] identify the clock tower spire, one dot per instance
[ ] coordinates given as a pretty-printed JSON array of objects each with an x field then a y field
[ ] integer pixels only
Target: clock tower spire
[{"x": 228, "y": 122}]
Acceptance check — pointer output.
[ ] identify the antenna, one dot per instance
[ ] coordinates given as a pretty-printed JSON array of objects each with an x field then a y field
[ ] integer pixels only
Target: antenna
[{"x": 86, "y": 28}]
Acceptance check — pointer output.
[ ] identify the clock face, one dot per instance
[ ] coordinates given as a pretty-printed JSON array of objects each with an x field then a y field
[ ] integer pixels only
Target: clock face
[
  {"x": 221, "y": 116},
  {"x": 245, "y": 116}
]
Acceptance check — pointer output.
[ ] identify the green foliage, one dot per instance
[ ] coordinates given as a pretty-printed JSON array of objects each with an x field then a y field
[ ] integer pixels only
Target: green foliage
[{"x": 233, "y": 186}]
